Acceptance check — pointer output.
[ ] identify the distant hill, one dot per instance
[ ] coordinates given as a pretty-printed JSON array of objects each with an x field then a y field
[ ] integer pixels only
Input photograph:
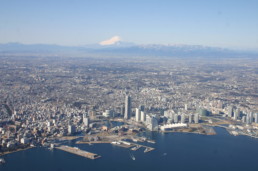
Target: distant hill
[{"x": 125, "y": 48}]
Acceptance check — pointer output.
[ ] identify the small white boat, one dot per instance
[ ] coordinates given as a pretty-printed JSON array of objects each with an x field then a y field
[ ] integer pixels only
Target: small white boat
[
  {"x": 151, "y": 141},
  {"x": 132, "y": 156},
  {"x": 2, "y": 161}
]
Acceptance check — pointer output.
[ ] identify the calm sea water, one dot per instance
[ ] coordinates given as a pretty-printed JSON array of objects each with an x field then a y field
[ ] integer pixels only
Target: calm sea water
[{"x": 173, "y": 151}]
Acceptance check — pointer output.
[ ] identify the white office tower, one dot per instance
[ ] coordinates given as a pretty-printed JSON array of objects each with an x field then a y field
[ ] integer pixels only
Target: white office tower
[
  {"x": 71, "y": 129},
  {"x": 244, "y": 119},
  {"x": 183, "y": 118},
  {"x": 127, "y": 114},
  {"x": 85, "y": 121},
  {"x": 176, "y": 118},
  {"x": 230, "y": 111},
  {"x": 251, "y": 117},
  {"x": 236, "y": 114},
  {"x": 166, "y": 114},
  {"x": 186, "y": 107},
  {"x": 196, "y": 118},
  {"x": 256, "y": 118},
  {"x": 248, "y": 119},
  {"x": 143, "y": 116},
  {"x": 151, "y": 123},
  {"x": 190, "y": 118},
  {"x": 137, "y": 115}
]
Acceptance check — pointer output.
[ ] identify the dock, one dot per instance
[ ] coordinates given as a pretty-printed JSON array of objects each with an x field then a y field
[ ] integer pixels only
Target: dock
[
  {"x": 122, "y": 144},
  {"x": 133, "y": 146},
  {"x": 148, "y": 149},
  {"x": 138, "y": 146},
  {"x": 79, "y": 152}
]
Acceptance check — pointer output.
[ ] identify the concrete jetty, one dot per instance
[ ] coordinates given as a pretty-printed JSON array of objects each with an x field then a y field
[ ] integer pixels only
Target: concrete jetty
[{"x": 77, "y": 151}]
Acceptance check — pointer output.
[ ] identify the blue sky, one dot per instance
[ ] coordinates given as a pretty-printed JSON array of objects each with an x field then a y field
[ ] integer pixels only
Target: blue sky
[{"x": 223, "y": 23}]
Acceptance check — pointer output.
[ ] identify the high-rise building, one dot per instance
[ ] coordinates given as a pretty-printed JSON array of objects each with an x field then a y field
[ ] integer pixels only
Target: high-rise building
[
  {"x": 236, "y": 114},
  {"x": 183, "y": 118},
  {"x": 248, "y": 120},
  {"x": 230, "y": 111},
  {"x": 71, "y": 129},
  {"x": 256, "y": 118},
  {"x": 196, "y": 118},
  {"x": 176, "y": 118},
  {"x": 143, "y": 116},
  {"x": 166, "y": 114},
  {"x": 244, "y": 119},
  {"x": 251, "y": 117},
  {"x": 137, "y": 115},
  {"x": 190, "y": 118},
  {"x": 186, "y": 107},
  {"x": 127, "y": 114},
  {"x": 85, "y": 120},
  {"x": 152, "y": 123}
]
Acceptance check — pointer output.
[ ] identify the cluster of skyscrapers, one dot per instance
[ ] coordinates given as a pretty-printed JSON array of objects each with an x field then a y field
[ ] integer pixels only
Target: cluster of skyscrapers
[
  {"x": 247, "y": 118},
  {"x": 172, "y": 117}
]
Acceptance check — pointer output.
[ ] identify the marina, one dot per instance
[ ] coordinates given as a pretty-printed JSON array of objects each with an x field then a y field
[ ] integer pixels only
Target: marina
[
  {"x": 116, "y": 158},
  {"x": 133, "y": 146}
]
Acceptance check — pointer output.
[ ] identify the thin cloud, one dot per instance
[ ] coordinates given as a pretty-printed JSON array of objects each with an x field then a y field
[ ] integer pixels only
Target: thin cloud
[{"x": 110, "y": 41}]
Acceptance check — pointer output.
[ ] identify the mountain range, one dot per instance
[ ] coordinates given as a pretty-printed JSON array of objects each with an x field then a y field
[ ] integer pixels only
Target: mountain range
[{"x": 126, "y": 48}]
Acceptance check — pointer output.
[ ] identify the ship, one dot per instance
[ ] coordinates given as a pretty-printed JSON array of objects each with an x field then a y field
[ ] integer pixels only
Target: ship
[
  {"x": 151, "y": 141},
  {"x": 2, "y": 161},
  {"x": 132, "y": 156}
]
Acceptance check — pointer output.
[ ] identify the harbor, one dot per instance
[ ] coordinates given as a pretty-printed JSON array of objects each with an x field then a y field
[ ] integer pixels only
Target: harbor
[
  {"x": 77, "y": 151},
  {"x": 133, "y": 146}
]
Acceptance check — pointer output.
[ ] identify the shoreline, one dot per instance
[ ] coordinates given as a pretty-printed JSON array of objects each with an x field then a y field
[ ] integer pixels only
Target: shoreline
[{"x": 20, "y": 149}]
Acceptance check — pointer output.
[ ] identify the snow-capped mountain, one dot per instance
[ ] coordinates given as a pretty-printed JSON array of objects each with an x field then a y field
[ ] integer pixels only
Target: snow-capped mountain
[{"x": 126, "y": 48}]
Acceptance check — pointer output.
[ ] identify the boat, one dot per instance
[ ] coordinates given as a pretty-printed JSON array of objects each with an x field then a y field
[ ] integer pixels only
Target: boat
[
  {"x": 135, "y": 140},
  {"x": 146, "y": 150},
  {"x": 2, "y": 161},
  {"x": 134, "y": 148},
  {"x": 132, "y": 156},
  {"x": 51, "y": 149},
  {"x": 151, "y": 141}
]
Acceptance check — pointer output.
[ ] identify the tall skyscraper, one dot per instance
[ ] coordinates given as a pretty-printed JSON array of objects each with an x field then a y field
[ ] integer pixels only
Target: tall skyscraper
[
  {"x": 127, "y": 114},
  {"x": 183, "y": 118},
  {"x": 143, "y": 116},
  {"x": 256, "y": 118},
  {"x": 196, "y": 118},
  {"x": 176, "y": 118},
  {"x": 236, "y": 114},
  {"x": 230, "y": 111},
  {"x": 137, "y": 115},
  {"x": 190, "y": 118},
  {"x": 251, "y": 117}
]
